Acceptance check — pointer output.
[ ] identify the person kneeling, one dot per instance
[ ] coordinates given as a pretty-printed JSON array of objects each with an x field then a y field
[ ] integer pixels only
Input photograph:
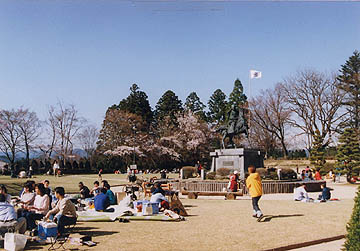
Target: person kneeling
[
  {"x": 102, "y": 202},
  {"x": 65, "y": 212}
]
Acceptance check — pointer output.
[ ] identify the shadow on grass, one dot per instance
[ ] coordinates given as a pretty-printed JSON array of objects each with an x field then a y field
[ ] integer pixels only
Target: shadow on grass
[
  {"x": 267, "y": 218},
  {"x": 98, "y": 233},
  {"x": 186, "y": 206}
]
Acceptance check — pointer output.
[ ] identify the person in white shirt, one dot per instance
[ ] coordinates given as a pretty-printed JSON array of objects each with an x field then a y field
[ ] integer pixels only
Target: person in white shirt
[
  {"x": 300, "y": 193},
  {"x": 56, "y": 168},
  {"x": 8, "y": 218},
  {"x": 40, "y": 207}
]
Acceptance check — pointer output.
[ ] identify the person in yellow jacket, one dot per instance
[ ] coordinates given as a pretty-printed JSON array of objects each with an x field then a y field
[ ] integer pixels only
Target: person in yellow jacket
[{"x": 253, "y": 183}]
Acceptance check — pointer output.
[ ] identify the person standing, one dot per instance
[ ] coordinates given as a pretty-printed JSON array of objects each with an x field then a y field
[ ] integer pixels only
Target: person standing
[
  {"x": 56, "y": 168},
  {"x": 253, "y": 183},
  {"x": 279, "y": 173}
]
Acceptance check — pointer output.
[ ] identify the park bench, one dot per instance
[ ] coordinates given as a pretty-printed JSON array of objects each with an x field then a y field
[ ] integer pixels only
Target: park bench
[{"x": 196, "y": 194}]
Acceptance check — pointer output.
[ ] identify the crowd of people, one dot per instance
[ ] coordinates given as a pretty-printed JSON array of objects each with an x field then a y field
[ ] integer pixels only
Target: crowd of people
[
  {"x": 99, "y": 197},
  {"x": 35, "y": 202}
]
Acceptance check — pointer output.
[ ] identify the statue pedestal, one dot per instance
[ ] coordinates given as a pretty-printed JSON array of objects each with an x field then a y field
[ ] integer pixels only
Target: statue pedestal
[{"x": 237, "y": 159}]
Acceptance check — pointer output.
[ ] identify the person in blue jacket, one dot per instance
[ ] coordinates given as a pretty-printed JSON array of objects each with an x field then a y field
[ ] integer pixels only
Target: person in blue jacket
[{"x": 325, "y": 194}]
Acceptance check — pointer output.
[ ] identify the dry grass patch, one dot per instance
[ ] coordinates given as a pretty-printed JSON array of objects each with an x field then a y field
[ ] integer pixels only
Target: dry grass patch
[{"x": 225, "y": 225}]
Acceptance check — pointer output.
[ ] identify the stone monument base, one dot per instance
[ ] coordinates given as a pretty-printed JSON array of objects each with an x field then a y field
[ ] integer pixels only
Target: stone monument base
[{"x": 237, "y": 159}]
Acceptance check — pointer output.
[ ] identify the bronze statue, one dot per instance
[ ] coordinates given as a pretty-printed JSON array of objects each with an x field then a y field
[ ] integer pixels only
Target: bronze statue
[{"x": 237, "y": 124}]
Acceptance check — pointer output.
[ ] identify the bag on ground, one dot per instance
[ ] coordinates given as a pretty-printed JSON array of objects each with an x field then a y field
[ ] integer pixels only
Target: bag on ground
[{"x": 14, "y": 242}]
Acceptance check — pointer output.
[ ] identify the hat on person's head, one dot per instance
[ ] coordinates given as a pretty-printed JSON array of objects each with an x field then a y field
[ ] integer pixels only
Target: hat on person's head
[{"x": 236, "y": 172}]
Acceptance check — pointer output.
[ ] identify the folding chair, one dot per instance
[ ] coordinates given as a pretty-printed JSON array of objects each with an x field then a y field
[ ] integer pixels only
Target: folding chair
[{"x": 61, "y": 239}]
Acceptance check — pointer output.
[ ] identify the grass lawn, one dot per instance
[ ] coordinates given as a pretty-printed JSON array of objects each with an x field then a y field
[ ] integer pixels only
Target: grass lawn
[
  {"x": 69, "y": 182},
  {"x": 216, "y": 224}
]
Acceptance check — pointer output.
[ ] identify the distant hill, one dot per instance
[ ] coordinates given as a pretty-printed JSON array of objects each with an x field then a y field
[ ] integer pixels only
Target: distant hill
[{"x": 36, "y": 154}]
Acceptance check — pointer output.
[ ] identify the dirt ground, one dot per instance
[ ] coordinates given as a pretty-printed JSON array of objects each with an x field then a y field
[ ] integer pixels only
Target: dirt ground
[{"x": 217, "y": 224}]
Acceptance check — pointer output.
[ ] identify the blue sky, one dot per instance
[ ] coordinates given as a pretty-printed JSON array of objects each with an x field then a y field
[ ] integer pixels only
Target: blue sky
[{"x": 89, "y": 52}]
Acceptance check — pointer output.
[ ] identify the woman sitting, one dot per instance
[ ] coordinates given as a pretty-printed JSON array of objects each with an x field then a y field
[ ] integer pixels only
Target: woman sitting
[
  {"x": 40, "y": 207},
  {"x": 26, "y": 199}
]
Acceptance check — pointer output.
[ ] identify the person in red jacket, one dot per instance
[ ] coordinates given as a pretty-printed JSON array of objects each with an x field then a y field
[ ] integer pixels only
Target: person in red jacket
[
  {"x": 233, "y": 183},
  {"x": 317, "y": 175}
]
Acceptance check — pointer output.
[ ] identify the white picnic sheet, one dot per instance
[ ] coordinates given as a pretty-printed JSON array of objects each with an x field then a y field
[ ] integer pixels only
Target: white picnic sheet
[{"x": 92, "y": 215}]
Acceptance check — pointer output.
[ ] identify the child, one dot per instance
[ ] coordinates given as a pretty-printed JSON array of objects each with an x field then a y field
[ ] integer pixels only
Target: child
[
  {"x": 253, "y": 183},
  {"x": 96, "y": 189},
  {"x": 325, "y": 193}
]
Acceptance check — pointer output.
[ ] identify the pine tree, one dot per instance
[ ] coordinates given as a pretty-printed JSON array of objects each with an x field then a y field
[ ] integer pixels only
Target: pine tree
[
  {"x": 217, "y": 107},
  {"x": 168, "y": 105},
  {"x": 352, "y": 242},
  {"x": 237, "y": 96},
  {"x": 317, "y": 153},
  {"x": 348, "y": 154},
  {"x": 194, "y": 104},
  {"x": 350, "y": 84},
  {"x": 137, "y": 103}
]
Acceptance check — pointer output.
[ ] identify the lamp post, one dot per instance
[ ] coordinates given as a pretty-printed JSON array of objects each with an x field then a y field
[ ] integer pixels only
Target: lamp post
[{"x": 134, "y": 128}]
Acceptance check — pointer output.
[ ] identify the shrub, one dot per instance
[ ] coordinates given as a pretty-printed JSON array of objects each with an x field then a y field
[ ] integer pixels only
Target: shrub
[
  {"x": 327, "y": 168},
  {"x": 352, "y": 242},
  {"x": 262, "y": 172},
  {"x": 210, "y": 176},
  {"x": 224, "y": 171},
  {"x": 189, "y": 171},
  {"x": 288, "y": 173}
]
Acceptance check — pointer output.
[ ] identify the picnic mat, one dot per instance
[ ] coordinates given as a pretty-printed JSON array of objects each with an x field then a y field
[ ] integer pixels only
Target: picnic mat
[{"x": 92, "y": 215}]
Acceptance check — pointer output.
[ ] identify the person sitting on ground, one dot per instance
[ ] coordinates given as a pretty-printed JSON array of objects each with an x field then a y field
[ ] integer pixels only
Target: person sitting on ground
[
  {"x": 102, "y": 202},
  {"x": 3, "y": 190},
  {"x": 300, "y": 193},
  {"x": 96, "y": 189},
  {"x": 317, "y": 175},
  {"x": 303, "y": 174},
  {"x": 103, "y": 182},
  {"x": 8, "y": 217},
  {"x": 64, "y": 211},
  {"x": 84, "y": 191},
  {"x": 233, "y": 183},
  {"x": 110, "y": 194},
  {"x": 40, "y": 207},
  {"x": 158, "y": 189},
  {"x": 325, "y": 194},
  {"x": 158, "y": 197}
]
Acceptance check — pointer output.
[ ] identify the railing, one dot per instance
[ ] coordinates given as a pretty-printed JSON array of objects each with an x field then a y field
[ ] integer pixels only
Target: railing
[{"x": 269, "y": 187}]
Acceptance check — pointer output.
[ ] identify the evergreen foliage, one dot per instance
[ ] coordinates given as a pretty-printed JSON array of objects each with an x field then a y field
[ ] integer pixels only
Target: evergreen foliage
[
  {"x": 217, "y": 107},
  {"x": 352, "y": 242},
  {"x": 317, "y": 153},
  {"x": 137, "y": 103},
  {"x": 194, "y": 104},
  {"x": 348, "y": 155},
  {"x": 237, "y": 96},
  {"x": 350, "y": 84},
  {"x": 168, "y": 105}
]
